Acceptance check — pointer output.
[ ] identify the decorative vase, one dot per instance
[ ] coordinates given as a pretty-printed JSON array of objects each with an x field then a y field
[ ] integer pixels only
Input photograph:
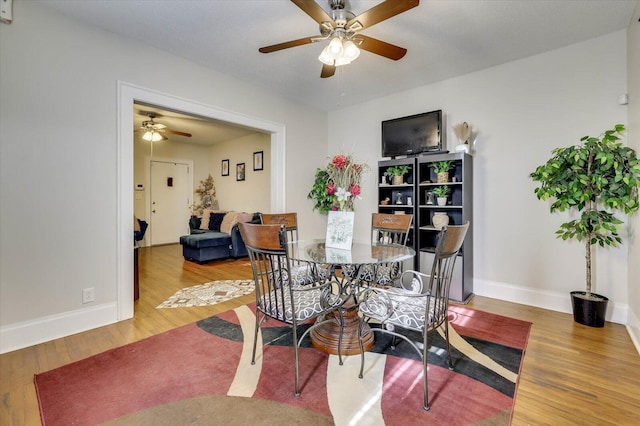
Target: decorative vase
[
  {"x": 442, "y": 201},
  {"x": 443, "y": 177},
  {"x": 439, "y": 220},
  {"x": 397, "y": 180}
]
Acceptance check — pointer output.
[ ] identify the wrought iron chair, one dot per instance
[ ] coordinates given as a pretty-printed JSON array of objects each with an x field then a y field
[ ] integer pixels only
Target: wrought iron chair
[
  {"x": 421, "y": 303},
  {"x": 276, "y": 297},
  {"x": 301, "y": 273},
  {"x": 385, "y": 229}
]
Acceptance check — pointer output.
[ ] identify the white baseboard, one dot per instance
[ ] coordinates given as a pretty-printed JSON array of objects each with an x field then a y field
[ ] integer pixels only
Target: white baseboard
[
  {"x": 560, "y": 302},
  {"x": 21, "y": 335},
  {"x": 633, "y": 327}
]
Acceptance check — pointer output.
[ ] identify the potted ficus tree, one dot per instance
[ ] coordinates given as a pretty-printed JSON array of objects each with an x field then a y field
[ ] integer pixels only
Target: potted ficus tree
[
  {"x": 396, "y": 173},
  {"x": 595, "y": 178}
]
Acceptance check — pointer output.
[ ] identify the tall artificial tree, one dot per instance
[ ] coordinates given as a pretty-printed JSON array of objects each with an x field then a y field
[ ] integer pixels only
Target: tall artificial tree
[{"x": 596, "y": 178}]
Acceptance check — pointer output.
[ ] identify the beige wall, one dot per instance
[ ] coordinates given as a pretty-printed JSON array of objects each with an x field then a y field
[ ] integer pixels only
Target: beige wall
[{"x": 251, "y": 195}]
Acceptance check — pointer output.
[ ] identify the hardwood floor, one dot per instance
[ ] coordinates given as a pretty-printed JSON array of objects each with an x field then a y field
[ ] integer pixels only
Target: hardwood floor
[{"x": 571, "y": 374}]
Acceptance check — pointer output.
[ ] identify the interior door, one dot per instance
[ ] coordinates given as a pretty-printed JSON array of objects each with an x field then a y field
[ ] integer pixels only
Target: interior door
[{"x": 170, "y": 201}]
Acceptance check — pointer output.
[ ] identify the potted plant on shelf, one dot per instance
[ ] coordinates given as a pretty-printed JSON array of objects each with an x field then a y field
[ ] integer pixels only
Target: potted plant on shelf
[
  {"x": 396, "y": 173},
  {"x": 595, "y": 178},
  {"x": 442, "y": 170},
  {"x": 442, "y": 192}
]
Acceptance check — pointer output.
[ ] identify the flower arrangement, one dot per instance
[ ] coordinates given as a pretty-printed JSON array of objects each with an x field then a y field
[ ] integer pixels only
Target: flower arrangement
[{"x": 336, "y": 186}]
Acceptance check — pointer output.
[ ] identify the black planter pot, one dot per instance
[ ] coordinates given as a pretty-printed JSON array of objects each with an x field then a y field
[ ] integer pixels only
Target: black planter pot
[{"x": 589, "y": 311}]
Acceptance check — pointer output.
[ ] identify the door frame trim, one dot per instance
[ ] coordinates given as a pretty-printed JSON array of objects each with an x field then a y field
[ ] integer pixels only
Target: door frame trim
[{"x": 127, "y": 94}]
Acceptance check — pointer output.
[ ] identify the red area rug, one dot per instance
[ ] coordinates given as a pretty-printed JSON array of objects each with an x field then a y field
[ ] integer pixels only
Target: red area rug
[{"x": 176, "y": 369}]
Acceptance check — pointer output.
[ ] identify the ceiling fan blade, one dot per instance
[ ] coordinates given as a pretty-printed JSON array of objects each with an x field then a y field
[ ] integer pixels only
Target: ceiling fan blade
[
  {"x": 379, "y": 13},
  {"x": 381, "y": 48},
  {"x": 313, "y": 9},
  {"x": 175, "y": 132},
  {"x": 287, "y": 44},
  {"x": 327, "y": 71}
]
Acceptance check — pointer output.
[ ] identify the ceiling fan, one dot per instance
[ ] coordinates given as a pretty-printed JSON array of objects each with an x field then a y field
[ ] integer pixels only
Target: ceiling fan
[
  {"x": 342, "y": 27},
  {"x": 154, "y": 131}
]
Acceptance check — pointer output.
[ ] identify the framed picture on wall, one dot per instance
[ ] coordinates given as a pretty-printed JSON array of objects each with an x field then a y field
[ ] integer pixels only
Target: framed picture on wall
[
  {"x": 240, "y": 171},
  {"x": 257, "y": 160},
  {"x": 225, "y": 167}
]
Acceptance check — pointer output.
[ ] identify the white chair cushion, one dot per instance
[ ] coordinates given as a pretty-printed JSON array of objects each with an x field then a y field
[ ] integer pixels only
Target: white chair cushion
[
  {"x": 308, "y": 305},
  {"x": 398, "y": 307}
]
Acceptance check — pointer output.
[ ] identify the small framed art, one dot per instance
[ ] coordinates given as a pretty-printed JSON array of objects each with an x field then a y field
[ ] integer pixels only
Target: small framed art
[
  {"x": 240, "y": 172},
  {"x": 225, "y": 167},
  {"x": 257, "y": 160}
]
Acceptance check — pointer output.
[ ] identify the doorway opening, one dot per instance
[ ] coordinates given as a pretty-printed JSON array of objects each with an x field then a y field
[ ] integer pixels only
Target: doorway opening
[{"x": 128, "y": 94}]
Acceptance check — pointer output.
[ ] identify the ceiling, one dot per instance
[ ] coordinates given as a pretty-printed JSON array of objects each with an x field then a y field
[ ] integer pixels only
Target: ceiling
[
  {"x": 444, "y": 39},
  {"x": 204, "y": 131}
]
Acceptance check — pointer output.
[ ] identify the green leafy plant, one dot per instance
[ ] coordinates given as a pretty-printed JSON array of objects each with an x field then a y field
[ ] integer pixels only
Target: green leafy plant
[
  {"x": 442, "y": 191},
  {"x": 400, "y": 170},
  {"x": 323, "y": 200},
  {"x": 442, "y": 166},
  {"x": 597, "y": 177}
]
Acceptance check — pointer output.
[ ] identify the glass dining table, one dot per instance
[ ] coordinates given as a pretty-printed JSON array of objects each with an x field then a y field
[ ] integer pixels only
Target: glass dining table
[{"x": 348, "y": 285}]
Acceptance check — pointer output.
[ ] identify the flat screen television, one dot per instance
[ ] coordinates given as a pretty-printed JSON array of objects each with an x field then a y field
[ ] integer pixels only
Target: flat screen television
[{"x": 413, "y": 135}]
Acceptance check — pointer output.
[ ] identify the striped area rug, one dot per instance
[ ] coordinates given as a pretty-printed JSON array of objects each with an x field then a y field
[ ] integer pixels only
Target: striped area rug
[{"x": 180, "y": 375}]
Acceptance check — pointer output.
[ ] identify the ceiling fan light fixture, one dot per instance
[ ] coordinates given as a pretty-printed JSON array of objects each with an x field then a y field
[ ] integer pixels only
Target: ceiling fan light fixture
[
  {"x": 152, "y": 136},
  {"x": 342, "y": 60},
  {"x": 326, "y": 57},
  {"x": 351, "y": 51},
  {"x": 335, "y": 47}
]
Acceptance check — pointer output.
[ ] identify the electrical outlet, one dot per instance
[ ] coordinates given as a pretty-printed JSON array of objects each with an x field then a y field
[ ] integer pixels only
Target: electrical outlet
[{"x": 88, "y": 295}]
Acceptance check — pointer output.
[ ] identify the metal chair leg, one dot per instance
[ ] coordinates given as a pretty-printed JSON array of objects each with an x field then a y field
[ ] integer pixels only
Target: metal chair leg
[
  {"x": 425, "y": 376},
  {"x": 446, "y": 334},
  {"x": 295, "y": 360},
  {"x": 255, "y": 339}
]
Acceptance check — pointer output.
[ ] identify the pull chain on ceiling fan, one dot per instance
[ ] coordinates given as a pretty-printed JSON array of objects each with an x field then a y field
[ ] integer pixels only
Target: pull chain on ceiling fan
[{"x": 342, "y": 28}]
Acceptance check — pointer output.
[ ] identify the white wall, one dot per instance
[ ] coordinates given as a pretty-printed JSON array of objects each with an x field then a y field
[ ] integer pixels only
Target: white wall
[
  {"x": 633, "y": 90},
  {"x": 521, "y": 111},
  {"x": 59, "y": 162}
]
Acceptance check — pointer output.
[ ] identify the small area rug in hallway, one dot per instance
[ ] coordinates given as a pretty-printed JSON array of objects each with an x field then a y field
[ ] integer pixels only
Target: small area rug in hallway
[
  {"x": 202, "y": 374},
  {"x": 208, "y": 294}
]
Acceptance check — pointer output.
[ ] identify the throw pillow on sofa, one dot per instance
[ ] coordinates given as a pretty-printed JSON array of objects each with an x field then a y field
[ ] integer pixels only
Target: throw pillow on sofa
[
  {"x": 204, "y": 222},
  {"x": 215, "y": 220},
  {"x": 229, "y": 220}
]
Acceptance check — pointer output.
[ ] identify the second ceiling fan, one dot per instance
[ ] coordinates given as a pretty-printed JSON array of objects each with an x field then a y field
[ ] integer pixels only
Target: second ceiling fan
[
  {"x": 154, "y": 131},
  {"x": 343, "y": 28}
]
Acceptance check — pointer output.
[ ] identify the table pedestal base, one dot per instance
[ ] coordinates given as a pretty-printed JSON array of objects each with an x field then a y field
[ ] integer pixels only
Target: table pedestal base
[{"x": 325, "y": 337}]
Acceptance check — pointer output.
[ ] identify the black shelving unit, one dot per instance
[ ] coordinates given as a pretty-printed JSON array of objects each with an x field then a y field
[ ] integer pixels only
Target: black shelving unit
[
  {"x": 401, "y": 197},
  {"x": 459, "y": 209}
]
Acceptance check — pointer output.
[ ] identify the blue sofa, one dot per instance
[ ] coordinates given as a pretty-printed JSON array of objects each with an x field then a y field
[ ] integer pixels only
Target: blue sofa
[{"x": 203, "y": 245}]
